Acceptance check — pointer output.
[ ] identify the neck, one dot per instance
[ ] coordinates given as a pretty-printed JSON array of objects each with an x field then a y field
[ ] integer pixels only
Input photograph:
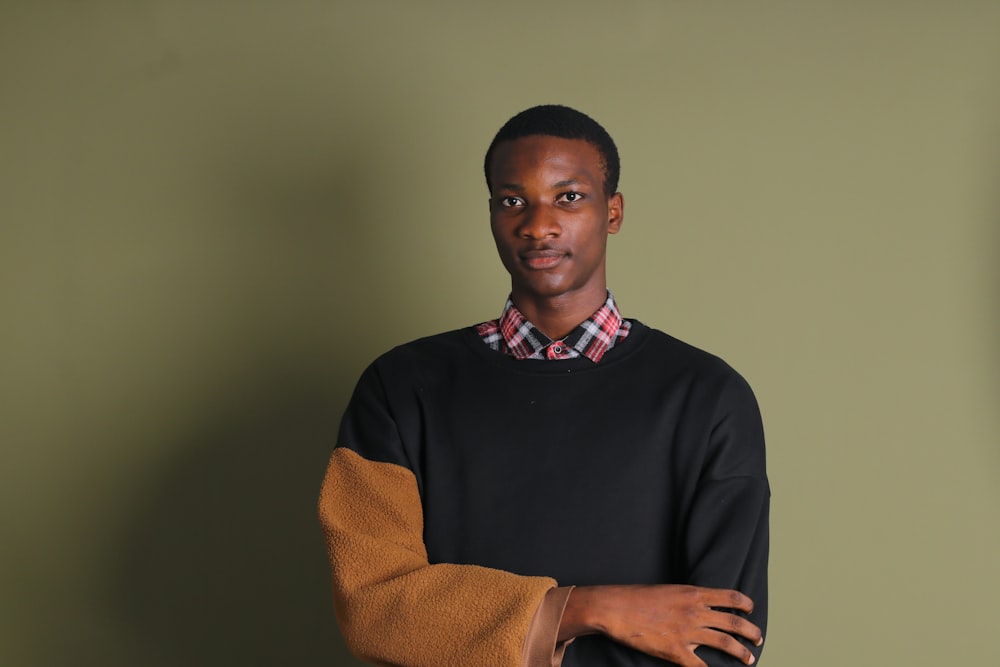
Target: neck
[{"x": 556, "y": 317}]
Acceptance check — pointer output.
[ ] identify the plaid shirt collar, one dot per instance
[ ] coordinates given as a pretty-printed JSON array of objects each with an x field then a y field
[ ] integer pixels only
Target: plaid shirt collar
[{"x": 514, "y": 335}]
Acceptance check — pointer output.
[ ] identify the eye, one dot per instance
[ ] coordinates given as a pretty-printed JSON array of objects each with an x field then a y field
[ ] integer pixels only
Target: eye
[
  {"x": 571, "y": 197},
  {"x": 511, "y": 202}
]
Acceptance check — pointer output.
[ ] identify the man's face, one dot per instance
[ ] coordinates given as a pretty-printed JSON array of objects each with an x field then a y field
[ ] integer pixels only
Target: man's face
[{"x": 551, "y": 217}]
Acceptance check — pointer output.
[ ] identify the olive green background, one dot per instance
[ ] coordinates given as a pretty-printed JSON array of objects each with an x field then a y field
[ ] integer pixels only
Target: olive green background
[{"x": 214, "y": 214}]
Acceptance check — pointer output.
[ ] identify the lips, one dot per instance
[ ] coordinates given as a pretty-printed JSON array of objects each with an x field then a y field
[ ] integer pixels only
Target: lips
[{"x": 541, "y": 259}]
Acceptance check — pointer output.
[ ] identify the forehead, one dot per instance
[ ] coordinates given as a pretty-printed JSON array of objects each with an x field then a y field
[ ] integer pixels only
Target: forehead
[{"x": 546, "y": 158}]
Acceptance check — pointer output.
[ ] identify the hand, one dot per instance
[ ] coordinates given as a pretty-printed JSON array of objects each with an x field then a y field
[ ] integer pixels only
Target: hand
[{"x": 666, "y": 621}]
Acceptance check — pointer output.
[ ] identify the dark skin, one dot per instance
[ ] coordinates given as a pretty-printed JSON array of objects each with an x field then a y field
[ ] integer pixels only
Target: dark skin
[
  {"x": 667, "y": 621},
  {"x": 551, "y": 218}
]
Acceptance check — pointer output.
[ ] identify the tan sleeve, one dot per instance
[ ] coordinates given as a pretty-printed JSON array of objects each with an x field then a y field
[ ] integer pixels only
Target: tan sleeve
[
  {"x": 393, "y": 607},
  {"x": 541, "y": 648}
]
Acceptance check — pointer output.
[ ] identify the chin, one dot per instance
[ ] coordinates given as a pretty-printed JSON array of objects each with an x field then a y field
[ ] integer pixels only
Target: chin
[{"x": 546, "y": 290}]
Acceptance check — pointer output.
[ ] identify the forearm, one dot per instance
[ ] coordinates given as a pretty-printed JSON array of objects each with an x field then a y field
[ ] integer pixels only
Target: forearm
[
  {"x": 665, "y": 621},
  {"x": 584, "y": 612}
]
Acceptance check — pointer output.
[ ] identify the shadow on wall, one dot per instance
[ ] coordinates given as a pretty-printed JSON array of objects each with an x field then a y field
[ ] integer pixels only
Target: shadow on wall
[{"x": 223, "y": 562}]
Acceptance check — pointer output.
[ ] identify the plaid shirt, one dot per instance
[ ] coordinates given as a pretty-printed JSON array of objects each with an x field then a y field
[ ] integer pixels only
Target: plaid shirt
[{"x": 514, "y": 335}]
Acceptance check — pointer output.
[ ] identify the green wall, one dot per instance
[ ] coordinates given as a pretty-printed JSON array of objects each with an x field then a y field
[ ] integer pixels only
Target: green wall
[{"x": 203, "y": 203}]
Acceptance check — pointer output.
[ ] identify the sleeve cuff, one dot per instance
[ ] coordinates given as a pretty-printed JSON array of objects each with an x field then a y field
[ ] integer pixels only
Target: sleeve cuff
[{"x": 540, "y": 646}]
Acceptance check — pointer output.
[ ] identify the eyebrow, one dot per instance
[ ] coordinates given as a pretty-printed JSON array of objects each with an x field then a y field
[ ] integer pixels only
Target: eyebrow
[{"x": 517, "y": 187}]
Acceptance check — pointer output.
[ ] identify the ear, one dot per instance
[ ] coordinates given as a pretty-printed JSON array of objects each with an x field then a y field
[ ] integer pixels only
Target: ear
[{"x": 616, "y": 212}]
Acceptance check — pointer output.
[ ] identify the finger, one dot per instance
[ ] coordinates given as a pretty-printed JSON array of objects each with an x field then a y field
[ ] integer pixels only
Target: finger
[
  {"x": 729, "y": 599},
  {"x": 689, "y": 659},
  {"x": 727, "y": 644},
  {"x": 695, "y": 662},
  {"x": 723, "y": 598},
  {"x": 735, "y": 625}
]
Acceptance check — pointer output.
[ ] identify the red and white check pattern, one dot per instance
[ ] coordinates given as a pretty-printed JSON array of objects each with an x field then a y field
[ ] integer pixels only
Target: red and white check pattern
[{"x": 514, "y": 335}]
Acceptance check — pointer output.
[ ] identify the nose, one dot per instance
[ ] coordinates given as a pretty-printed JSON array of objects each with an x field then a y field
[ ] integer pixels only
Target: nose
[{"x": 538, "y": 222}]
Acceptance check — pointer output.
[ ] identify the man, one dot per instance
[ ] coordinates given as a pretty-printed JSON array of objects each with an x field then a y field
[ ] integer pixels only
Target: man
[{"x": 561, "y": 484}]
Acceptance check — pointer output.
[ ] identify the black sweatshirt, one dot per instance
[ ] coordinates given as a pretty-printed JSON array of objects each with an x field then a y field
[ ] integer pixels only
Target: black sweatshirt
[{"x": 647, "y": 467}]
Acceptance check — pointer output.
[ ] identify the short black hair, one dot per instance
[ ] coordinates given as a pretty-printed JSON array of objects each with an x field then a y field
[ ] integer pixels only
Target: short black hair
[{"x": 555, "y": 120}]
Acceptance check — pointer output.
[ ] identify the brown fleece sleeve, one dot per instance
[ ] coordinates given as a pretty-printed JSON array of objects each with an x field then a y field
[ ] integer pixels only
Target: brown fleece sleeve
[{"x": 393, "y": 607}]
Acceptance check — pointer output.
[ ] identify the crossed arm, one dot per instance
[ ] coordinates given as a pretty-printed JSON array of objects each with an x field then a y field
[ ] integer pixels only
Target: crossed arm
[
  {"x": 396, "y": 608},
  {"x": 666, "y": 621}
]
